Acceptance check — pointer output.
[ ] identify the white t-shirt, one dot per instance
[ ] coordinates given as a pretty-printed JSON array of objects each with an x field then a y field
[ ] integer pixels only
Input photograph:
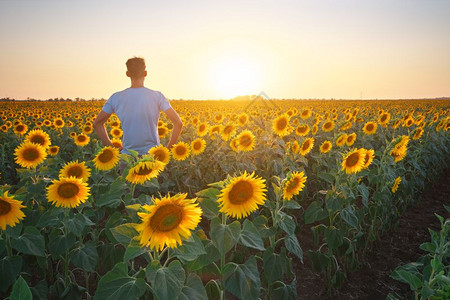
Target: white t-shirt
[{"x": 138, "y": 111}]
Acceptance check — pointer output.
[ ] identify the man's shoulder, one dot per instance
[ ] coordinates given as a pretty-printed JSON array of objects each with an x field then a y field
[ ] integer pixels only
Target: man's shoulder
[{"x": 139, "y": 92}]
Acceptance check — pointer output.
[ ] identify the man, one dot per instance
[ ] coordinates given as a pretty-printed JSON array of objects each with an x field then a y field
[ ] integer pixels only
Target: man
[{"x": 137, "y": 108}]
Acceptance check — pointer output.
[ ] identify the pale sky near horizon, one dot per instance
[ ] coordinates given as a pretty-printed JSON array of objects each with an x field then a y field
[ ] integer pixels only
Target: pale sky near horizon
[{"x": 221, "y": 49}]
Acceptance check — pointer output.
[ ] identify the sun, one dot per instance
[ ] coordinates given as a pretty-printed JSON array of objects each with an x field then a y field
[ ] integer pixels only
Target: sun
[{"x": 235, "y": 75}]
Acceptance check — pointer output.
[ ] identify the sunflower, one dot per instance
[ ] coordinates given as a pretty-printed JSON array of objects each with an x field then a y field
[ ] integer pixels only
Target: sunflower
[
  {"x": 306, "y": 114},
  {"x": 167, "y": 221},
  {"x": 234, "y": 145},
  {"x": 408, "y": 122},
  {"x": 218, "y": 118},
  {"x": 82, "y": 140},
  {"x": 396, "y": 184},
  {"x": 38, "y": 136},
  {"x": 68, "y": 192},
  {"x": 53, "y": 150},
  {"x": 348, "y": 117},
  {"x": 346, "y": 126},
  {"x": 341, "y": 140},
  {"x": 215, "y": 131},
  {"x": 116, "y": 132},
  {"x": 107, "y": 158},
  {"x": 20, "y": 129},
  {"x": 326, "y": 147},
  {"x": 245, "y": 141},
  {"x": 198, "y": 146},
  {"x": 144, "y": 170},
  {"x": 87, "y": 129},
  {"x": 384, "y": 118},
  {"x": 295, "y": 147},
  {"x": 307, "y": 146},
  {"x": 353, "y": 162},
  {"x": 29, "y": 155},
  {"x": 328, "y": 126},
  {"x": 58, "y": 122},
  {"x": 396, "y": 124},
  {"x": 368, "y": 159},
  {"x": 400, "y": 149},
  {"x": 228, "y": 131},
  {"x": 350, "y": 139},
  {"x": 180, "y": 151},
  {"x": 75, "y": 169},
  {"x": 4, "y": 128},
  {"x": 399, "y": 153},
  {"x": 10, "y": 211},
  {"x": 280, "y": 125},
  {"x": 417, "y": 133},
  {"x": 117, "y": 143},
  {"x": 160, "y": 153},
  {"x": 202, "y": 129},
  {"x": 242, "y": 119},
  {"x": 370, "y": 128},
  {"x": 242, "y": 195},
  {"x": 162, "y": 131},
  {"x": 294, "y": 184},
  {"x": 302, "y": 130}
]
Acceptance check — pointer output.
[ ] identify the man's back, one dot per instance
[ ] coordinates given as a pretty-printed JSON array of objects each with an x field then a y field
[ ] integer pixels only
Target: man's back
[{"x": 138, "y": 111}]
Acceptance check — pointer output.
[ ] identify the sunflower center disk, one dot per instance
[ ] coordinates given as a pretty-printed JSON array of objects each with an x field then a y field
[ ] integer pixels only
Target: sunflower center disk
[
  {"x": 75, "y": 171},
  {"x": 241, "y": 192},
  {"x": 282, "y": 124},
  {"x": 352, "y": 160},
  {"x": 81, "y": 138},
  {"x": 143, "y": 171},
  {"x": 30, "y": 154},
  {"x": 159, "y": 155},
  {"x": 292, "y": 185},
  {"x": 38, "y": 140},
  {"x": 5, "y": 207},
  {"x": 245, "y": 141},
  {"x": 197, "y": 146},
  {"x": 305, "y": 145},
  {"x": 105, "y": 156},
  {"x": 166, "y": 218},
  {"x": 68, "y": 190},
  {"x": 180, "y": 150}
]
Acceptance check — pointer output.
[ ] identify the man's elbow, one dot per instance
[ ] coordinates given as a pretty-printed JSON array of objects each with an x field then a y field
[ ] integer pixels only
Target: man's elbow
[{"x": 178, "y": 123}]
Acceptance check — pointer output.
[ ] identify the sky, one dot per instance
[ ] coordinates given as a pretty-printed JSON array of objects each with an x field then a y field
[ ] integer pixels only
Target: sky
[{"x": 221, "y": 49}]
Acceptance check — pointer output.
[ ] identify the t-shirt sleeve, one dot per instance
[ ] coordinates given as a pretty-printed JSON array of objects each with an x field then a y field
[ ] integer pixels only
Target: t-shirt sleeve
[
  {"x": 108, "y": 106},
  {"x": 163, "y": 103}
]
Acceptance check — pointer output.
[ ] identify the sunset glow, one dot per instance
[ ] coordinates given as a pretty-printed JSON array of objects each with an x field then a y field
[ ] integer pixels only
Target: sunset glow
[{"x": 218, "y": 50}]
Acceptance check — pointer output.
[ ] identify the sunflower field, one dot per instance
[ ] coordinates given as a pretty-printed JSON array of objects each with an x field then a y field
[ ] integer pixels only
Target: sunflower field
[{"x": 221, "y": 215}]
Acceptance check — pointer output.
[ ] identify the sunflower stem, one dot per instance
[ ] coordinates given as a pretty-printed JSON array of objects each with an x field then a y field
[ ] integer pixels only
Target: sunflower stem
[
  {"x": 168, "y": 256},
  {"x": 224, "y": 219},
  {"x": 8, "y": 244},
  {"x": 66, "y": 267},
  {"x": 86, "y": 276},
  {"x": 133, "y": 187}
]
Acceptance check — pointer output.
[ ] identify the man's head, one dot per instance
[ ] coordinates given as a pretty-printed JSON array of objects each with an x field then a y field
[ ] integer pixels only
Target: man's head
[{"x": 136, "y": 68}]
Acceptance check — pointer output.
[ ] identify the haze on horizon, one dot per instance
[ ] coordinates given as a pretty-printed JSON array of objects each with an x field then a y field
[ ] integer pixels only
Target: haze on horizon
[{"x": 219, "y": 50}]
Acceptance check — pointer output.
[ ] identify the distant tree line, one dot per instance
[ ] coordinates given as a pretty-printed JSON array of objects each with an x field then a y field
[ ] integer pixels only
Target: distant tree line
[{"x": 5, "y": 99}]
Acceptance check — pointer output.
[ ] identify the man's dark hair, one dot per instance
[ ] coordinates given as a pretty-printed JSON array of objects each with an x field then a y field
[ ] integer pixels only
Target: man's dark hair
[{"x": 136, "y": 67}]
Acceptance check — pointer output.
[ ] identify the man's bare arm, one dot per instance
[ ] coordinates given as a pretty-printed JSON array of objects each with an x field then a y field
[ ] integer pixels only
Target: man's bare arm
[
  {"x": 177, "y": 126},
  {"x": 99, "y": 127}
]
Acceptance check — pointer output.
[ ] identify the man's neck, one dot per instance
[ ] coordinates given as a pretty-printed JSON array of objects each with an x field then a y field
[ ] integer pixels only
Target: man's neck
[{"x": 137, "y": 83}]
